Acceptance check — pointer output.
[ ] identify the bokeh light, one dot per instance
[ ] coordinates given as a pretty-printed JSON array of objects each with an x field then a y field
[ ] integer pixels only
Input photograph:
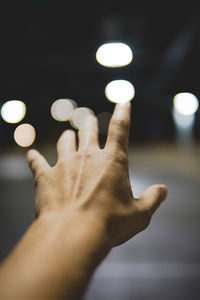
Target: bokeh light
[
  {"x": 24, "y": 135},
  {"x": 183, "y": 121},
  {"x": 62, "y": 109},
  {"x": 79, "y": 115},
  {"x": 103, "y": 122},
  {"x": 13, "y": 111},
  {"x": 114, "y": 55},
  {"x": 185, "y": 103},
  {"x": 119, "y": 91}
]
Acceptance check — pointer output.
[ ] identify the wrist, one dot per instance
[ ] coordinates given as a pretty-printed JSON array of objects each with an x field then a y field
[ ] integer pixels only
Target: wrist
[{"x": 82, "y": 230}]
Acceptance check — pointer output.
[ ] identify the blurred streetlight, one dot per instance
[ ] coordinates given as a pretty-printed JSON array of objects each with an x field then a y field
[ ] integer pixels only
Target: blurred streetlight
[
  {"x": 114, "y": 55},
  {"x": 119, "y": 91},
  {"x": 13, "y": 111}
]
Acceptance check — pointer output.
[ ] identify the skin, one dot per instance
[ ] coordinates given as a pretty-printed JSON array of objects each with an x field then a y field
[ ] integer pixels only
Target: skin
[{"x": 84, "y": 206}]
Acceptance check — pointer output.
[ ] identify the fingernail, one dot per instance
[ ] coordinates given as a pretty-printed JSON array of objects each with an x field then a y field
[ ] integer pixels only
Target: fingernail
[
  {"x": 163, "y": 191},
  {"x": 119, "y": 110}
]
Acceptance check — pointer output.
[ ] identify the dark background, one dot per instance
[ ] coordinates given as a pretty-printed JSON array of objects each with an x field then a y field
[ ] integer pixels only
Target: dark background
[{"x": 47, "y": 51}]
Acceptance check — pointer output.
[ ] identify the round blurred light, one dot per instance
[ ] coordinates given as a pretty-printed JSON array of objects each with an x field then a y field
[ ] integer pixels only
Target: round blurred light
[
  {"x": 104, "y": 121},
  {"x": 13, "y": 111},
  {"x": 114, "y": 55},
  {"x": 79, "y": 115},
  {"x": 24, "y": 135},
  {"x": 183, "y": 121},
  {"x": 186, "y": 103},
  {"x": 120, "y": 91},
  {"x": 61, "y": 109}
]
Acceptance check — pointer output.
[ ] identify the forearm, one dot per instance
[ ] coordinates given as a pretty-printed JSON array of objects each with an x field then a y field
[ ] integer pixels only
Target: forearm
[{"x": 55, "y": 259}]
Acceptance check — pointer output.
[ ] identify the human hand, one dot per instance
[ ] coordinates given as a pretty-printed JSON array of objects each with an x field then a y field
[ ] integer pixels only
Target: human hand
[{"x": 93, "y": 184}]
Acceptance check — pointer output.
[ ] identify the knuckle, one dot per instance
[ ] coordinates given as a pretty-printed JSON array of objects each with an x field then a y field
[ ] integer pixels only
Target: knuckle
[
  {"x": 122, "y": 158},
  {"x": 121, "y": 124},
  {"x": 118, "y": 156}
]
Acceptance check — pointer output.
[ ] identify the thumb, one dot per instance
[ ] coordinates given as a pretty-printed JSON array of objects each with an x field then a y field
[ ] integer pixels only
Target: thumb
[
  {"x": 153, "y": 197},
  {"x": 36, "y": 161}
]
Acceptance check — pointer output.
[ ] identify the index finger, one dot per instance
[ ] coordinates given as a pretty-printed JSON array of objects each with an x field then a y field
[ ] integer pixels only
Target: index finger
[{"x": 118, "y": 132}]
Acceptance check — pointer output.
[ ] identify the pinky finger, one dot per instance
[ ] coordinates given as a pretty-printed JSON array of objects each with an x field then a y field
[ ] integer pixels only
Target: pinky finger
[{"x": 36, "y": 162}]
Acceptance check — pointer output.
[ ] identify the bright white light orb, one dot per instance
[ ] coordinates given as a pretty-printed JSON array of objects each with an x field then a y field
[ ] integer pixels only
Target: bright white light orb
[
  {"x": 186, "y": 103},
  {"x": 183, "y": 121},
  {"x": 119, "y": 91},
  {"x": 24, "y": 135},
  {"x": 114, "y": 55},
  {"x": 79, "y": 115},
  {"x": 61, "y": 109},
  {"x": 13, "y": 111}
]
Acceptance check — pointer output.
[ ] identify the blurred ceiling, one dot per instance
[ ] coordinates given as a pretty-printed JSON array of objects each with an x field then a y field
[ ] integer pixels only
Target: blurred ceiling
[{"x": 48, "y": 52}]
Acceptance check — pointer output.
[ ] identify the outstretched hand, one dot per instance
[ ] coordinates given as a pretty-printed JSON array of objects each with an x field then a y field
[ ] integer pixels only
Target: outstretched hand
[{"x": 93, "y": 184}]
